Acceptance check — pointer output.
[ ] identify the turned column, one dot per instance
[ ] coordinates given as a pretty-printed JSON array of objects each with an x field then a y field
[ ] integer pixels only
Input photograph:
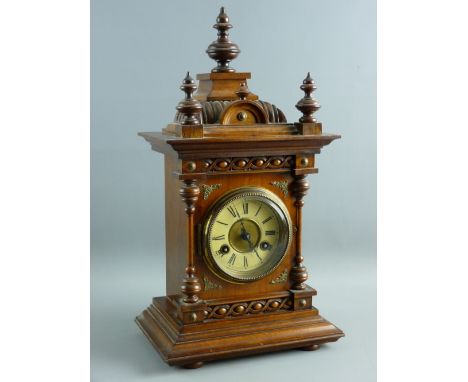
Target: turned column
[
  {"x": 191, "y": 284},
  {"x": 298, "y": 271}
]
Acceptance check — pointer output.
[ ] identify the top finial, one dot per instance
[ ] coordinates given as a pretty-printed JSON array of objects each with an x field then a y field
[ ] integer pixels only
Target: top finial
[
  {"x": 223, "y": 50},
  {"x": 222, "y": 18}
]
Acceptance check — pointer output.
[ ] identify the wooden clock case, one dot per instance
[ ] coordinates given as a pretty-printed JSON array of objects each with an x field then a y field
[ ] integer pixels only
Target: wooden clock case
[{"x": 224, "y": 138}]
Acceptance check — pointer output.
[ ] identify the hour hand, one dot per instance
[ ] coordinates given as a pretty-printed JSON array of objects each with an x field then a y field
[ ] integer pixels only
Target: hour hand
[{"x": 246, "y": 236}]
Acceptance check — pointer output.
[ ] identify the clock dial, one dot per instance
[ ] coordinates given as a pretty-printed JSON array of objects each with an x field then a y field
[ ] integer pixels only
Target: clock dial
[{"x": 247, "y": 234}]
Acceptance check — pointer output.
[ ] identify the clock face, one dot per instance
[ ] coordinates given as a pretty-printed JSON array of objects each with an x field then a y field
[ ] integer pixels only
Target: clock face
[{"x": 247, "y": 234}]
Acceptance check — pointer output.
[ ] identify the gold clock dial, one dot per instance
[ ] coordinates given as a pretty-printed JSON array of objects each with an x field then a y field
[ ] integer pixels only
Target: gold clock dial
[{"x": 247, "y": 234}]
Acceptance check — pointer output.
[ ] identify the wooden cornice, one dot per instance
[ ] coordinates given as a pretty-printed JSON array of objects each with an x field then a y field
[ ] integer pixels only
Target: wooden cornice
[{"x": 232, "y": 141}]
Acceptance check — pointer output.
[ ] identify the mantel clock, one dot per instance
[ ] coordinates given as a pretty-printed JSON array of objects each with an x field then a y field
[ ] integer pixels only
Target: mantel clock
[{"x": 235, "y": 182}]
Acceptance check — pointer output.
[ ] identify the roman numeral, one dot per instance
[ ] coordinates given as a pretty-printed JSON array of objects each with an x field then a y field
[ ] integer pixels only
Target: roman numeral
[
  {"x": 220, "y": 237},
  {"x": 270, "y": 233},
  {"x": 246, "y": 264},
  {"x": 232, "y": 259},
  {"x": 267, "y": 219},
  {"x": 259, "y": 208},
  {"x": 232, "y": 211},
  {"x": 220, "y": 222},
  {"x": 245, "y": 206}
]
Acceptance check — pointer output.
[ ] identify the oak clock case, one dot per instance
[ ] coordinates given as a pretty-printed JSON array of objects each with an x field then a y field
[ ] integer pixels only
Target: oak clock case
[{"x": 235, "y": 183}]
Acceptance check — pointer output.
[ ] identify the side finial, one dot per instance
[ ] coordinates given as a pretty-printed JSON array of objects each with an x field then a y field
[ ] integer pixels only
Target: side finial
[
  {"x": 307, "y": 105},
  {"x": 189, "y": 107},
  {"x": 223, "y": 50}
]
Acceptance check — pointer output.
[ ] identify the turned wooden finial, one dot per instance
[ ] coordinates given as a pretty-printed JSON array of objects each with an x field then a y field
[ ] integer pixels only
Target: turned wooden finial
[
  {"x": 189, "y": 107},
  {"x": 243, "y": 91},
  {"x": 223, "y": 50},
  {"x": 307, "y": 105}
]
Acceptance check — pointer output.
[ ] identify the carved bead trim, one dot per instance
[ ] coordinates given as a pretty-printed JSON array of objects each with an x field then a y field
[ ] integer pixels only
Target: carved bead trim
[
  {"x": 248, "y": 307},
  {"x": 282, "y": 185},
  {"x": 191, "y": 166},
  {"x": 210, "y": 284},
  {"x": 209, "y": 188},
  {"x": 248, "y": 164},
  {"x": 304, "y": 161},
  {"x": 281, "y": 278}
]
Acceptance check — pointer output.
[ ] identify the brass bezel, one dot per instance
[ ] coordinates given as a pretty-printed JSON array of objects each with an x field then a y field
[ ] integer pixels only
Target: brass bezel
[{"x": 281, "y": 211}]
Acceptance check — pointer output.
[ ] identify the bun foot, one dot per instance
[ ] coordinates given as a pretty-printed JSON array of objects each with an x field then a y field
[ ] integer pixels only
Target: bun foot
[
  {"x": 310, "y": 347},
  {"x": 194, "y": 365}
]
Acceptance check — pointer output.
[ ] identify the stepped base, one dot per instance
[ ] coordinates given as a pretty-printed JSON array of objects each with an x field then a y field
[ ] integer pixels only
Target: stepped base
[{"x": 192, "y": 345}]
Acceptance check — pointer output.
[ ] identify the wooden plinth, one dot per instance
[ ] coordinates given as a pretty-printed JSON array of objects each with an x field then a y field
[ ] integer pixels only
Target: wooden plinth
[{"x": 191, "y": 345}]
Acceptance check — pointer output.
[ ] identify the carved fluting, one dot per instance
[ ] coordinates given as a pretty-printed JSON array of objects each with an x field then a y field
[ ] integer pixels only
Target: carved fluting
[
  {"x": 212, "y": 110},
  {"x": 298, "y": 271},
  {"x": 189, "y": 108},
  {"x": 308, "y": 105},
  {"x": 223, "y": 50},
  {"x": 191, "y": 284},
  {"x": 248, "y": 307},
  {"x": 247, "y": 164}
]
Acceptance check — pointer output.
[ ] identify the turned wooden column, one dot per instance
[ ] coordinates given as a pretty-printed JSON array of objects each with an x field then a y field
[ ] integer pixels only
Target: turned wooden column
[
  {"x": 298, "y": 271},
  {"x": 191, "y": 284}
]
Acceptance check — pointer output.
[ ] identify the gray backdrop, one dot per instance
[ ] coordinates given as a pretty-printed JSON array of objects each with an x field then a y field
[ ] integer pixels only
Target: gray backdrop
[{"x": 140, "y": 51}]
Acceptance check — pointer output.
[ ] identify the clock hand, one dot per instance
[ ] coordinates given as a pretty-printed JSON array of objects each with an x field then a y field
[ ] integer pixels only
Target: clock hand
[
  {"x": 242, "y": 224},
  {"x": 250, "y": 244},
  {"x": 256, "y": 253},
  {"x": 245, "y": 235}
]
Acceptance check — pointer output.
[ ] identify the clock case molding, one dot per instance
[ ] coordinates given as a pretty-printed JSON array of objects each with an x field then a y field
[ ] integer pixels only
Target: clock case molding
[{"x": 225, "y": 138}]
